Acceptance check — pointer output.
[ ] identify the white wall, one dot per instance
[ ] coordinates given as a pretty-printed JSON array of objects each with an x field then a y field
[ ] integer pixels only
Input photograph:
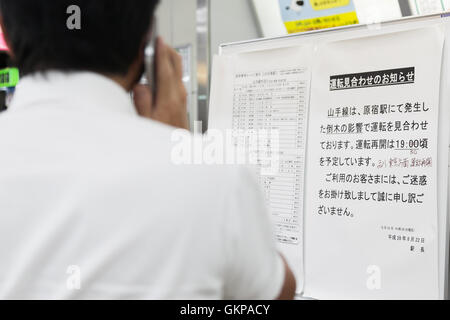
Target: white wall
[
  {"x": 269, "y": 12},
  {"x": 177, "y": 25},
  {"x": 231, "y": 21},
  {"x": 373, "y": 11},
  {"x": 177, "y": 21}
]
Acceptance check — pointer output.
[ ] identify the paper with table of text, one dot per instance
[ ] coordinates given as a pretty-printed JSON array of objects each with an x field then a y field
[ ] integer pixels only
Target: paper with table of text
[{"x": 270, "y": 98}]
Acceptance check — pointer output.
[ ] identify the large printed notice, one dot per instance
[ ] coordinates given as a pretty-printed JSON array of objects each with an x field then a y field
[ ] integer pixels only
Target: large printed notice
[{"x": 371, "y": 187}]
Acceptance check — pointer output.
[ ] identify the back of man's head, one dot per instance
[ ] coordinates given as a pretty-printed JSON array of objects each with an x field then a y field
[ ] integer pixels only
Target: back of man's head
[{"x": 48, "y": 35}]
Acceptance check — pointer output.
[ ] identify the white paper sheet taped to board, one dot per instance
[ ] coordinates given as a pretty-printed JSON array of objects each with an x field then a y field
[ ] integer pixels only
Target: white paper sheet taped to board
[
  {"x": 371, "y": 208},
  {"x": 269, "y": 96}
]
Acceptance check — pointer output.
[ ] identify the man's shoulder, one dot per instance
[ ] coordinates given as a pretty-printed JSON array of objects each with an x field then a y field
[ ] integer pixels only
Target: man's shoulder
[
  {"x": 154, "y": 145},
  {"x": 146, "y": 127}
]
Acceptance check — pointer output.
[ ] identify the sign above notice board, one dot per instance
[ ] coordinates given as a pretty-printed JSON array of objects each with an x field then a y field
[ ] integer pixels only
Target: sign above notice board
[{"x": 307, "y": 15}]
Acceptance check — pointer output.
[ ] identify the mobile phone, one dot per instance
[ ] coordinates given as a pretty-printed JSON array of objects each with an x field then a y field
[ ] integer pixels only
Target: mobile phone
[{"x": 149, "y": 77}]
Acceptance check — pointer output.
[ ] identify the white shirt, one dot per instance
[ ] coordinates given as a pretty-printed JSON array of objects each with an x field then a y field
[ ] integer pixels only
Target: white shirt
[{"x": 92, "y": 207}]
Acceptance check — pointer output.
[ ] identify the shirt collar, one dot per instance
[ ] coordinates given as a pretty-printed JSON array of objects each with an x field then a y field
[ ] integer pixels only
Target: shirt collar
[{"x": 84, "y": 91}]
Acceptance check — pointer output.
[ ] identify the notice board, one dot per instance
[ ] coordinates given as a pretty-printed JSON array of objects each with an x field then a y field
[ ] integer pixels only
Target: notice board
[{"x": 356, "y": 120}]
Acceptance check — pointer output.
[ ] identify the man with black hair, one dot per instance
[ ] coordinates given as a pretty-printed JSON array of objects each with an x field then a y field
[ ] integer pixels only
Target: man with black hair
[{"x": 91, "y": 204}]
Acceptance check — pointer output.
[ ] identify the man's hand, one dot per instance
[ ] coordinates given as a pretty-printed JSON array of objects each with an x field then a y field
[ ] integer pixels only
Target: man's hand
[{"x": 169, "y": 105}]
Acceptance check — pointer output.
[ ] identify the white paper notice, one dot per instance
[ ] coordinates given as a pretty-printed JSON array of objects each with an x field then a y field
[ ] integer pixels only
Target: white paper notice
[
  {"x": 371, "y": 209},
  {"x": 271, "y": 95}
]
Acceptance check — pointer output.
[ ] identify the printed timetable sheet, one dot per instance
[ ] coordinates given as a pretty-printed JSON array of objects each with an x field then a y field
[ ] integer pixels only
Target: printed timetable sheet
[
  {"x": 270, "y": 99},
  {"x": 277, "y": 100},
  {"x": 349, "y": 169}
]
